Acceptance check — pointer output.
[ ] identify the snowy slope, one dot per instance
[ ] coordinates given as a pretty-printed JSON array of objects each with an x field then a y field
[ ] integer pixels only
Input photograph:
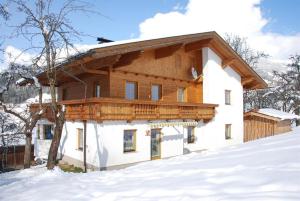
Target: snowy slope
[{"x": 267, "y": 169}]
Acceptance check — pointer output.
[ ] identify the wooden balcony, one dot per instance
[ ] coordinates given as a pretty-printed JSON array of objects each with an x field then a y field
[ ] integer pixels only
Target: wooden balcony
[{"x": 100, "y": 109}]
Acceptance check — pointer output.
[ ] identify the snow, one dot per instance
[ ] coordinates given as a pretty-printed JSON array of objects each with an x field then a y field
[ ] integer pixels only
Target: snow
[
  {"x": 266, "y": 169},
  {"x": 278, "y": 114}
]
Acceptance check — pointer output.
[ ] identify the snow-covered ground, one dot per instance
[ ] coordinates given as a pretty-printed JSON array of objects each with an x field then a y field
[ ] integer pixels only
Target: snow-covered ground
[{"x": 267, "y": 169}]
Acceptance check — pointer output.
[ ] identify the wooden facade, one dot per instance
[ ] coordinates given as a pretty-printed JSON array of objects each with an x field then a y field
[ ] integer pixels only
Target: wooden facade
[
  {"x": 167, "y": 62},
  {"x": 171, "y": 72},
  {"x": 258, "y": 125}
]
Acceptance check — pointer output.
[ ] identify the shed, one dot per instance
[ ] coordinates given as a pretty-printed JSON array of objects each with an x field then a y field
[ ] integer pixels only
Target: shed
[{"x": 266, "y": 122}]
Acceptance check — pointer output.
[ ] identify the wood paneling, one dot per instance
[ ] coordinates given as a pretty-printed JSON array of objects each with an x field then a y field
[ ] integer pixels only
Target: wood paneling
[
  {"x": 258, "y": 126},
  {"x": 145, "y": 70},
  {"x": 76, "y": 90}
]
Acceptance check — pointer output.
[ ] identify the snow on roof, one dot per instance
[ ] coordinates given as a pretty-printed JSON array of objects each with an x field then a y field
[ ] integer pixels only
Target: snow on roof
[
  {"x": 277, "y": 113},
  {"x": 121, "y": 42}
]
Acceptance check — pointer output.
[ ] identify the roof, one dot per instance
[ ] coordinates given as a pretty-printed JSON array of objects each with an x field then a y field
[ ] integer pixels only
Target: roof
[
  {"x": 277, "y": 113},
  {"x": 272, "y": 114},
  {"x": 110, "y": 54}
]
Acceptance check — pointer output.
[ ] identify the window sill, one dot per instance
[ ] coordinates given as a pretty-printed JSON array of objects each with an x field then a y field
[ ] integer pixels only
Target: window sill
[
  {"x": 80, "y": 149},
  {"x": 128, "y": 152}
]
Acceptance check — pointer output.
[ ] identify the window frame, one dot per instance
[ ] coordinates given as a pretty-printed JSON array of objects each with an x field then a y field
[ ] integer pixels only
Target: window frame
[
  {"x": 64, "y": 94},
  {"x": 227, "y": 97},
  {"x": 79, "y": 146},
  {"x": 160, "y": 92},
  {"x": 183, "y": 94},
  {"x": 133, "y": 143},
  {"x": 95, "y": 92},
  {"x": 44, "y": 131},
  {"x": 193, "y": 137},
  {"x": 136, "y": 91},
  {"x": 228, "y": 127}
]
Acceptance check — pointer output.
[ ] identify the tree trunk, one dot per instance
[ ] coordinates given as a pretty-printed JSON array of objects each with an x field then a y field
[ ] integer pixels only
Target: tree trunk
[
  {"x": 27, "y": 154},
  {"x": 52, "y": 156},
  {"x": 297, "y": 111}
]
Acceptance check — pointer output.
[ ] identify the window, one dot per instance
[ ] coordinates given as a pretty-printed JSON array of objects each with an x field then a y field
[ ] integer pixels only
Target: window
[
  {"x": 227, "y": 97},
  {"x": 129, "y": 140},
  {"x": 156, "y": 92},
  {"x": 228, "y": 131},
  {"x": 48, "y": 132},
  {"x": 131, "y": 90},
  {"x": 97, "y": 90},
  {"x": 64, "y": 94},
  {"x": 80, "y": 139},
  {"x": 191, "y": 134},
  {"x": 181, "y": 94}
]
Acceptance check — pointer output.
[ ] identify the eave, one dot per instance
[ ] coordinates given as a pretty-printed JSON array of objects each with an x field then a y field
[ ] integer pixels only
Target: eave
[{"x": 99, "y": 59}]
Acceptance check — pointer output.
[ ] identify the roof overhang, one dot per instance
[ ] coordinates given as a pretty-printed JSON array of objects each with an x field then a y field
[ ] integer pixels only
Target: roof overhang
[
  {"x": 257, "y": 114},
  {"x": 114, "y": 55}
]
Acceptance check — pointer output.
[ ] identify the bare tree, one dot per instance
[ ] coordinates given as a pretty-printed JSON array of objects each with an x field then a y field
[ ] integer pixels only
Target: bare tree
[
  {"x": 253, "y": 99},
  {"x": 53, "y": 32},
  {"x": 240, "y": 45},
  {"x": 3, "y": 11},
  {"x": 27, "y": 118}
]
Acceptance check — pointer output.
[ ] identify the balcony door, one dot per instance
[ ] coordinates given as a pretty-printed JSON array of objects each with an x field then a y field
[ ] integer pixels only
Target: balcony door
[{"x": 155, "y": 144}]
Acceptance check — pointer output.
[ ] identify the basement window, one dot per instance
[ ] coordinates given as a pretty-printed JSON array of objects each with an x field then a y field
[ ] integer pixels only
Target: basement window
[
  {"x": 227, "y": 131},
  {"x": 190, "y": 134},
  {"x": 48, "y": 132},
  {"x": 80, "y": 139},
  {"x": 129, "y": 141}
]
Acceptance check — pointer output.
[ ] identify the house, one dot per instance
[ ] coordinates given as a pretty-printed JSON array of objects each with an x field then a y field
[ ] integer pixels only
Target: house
[
  {"x": 266, "y": 122},
  {"x": 134, "y": 101}
]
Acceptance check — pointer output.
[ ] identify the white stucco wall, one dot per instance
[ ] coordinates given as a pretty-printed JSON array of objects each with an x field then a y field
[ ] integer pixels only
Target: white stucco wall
[
  {"x": 41, "y": 146},
  {"x": 105, "y": 142},
  {"x": 215, "y": 81}
]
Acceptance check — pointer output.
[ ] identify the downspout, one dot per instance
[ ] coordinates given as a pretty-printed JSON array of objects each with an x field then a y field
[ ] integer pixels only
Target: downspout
[
  {"x": 84, "y": 145},
  {"x": 84, "y": 122}
]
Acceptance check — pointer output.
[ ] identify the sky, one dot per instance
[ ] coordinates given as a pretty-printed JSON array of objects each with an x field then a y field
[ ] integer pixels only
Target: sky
[{"x": 272, "y": 26}]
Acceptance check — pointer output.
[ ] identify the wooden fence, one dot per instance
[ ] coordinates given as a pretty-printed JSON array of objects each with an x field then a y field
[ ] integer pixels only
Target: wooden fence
[{"x": 13, "y": 157}]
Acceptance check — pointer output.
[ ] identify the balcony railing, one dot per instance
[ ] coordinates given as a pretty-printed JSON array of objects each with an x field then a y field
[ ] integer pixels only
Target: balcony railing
[{"x": 100, "y": 109}]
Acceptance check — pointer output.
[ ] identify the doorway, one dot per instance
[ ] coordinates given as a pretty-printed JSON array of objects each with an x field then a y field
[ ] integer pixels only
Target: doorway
[{"x": 155, "y": 144}]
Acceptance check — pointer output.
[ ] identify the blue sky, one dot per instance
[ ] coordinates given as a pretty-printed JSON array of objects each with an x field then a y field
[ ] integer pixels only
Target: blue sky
[
  {"x": 272, "y": 26},
  {"x": 284, "y": 14},
  {"x": 124, "y": 17}
]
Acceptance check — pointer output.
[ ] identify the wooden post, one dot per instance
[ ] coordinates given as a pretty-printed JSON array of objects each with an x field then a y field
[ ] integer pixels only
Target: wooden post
[{"x": 84, "y": 145}]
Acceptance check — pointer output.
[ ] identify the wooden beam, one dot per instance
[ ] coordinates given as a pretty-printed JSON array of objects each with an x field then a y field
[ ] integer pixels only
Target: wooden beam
[
  {"x": 197, "y": 45},
  {"x": 246, "y": 81},
  {"x": 199, "y": 79},
  {"x": 167, "y": 51},
  {"x": 92, "y": 71},
  {"x": 227, "y": 62},
  {"x": 127, "y": 58}
]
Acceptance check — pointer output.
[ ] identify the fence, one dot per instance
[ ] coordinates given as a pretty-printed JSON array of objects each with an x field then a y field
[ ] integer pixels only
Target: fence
[{"x": 12, "y": 157}]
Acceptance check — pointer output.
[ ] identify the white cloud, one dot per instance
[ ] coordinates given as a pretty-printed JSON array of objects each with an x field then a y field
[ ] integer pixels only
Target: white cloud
[
  {"x": 15, "y": 55},
  {"x": 243, "y": 18}
]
